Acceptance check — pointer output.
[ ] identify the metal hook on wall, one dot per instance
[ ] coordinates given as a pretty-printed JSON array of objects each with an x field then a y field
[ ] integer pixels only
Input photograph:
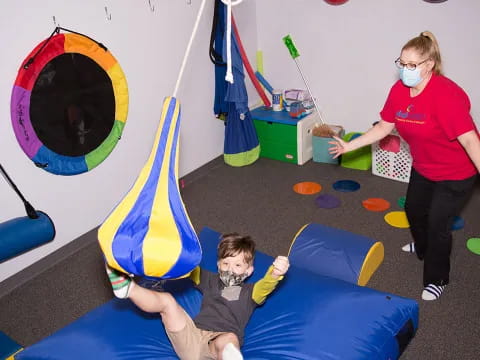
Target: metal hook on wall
[
  {"x": 109, "y": 16},
  {"x": 55, "y": 21},
  {"x": 152, "y": 7}
]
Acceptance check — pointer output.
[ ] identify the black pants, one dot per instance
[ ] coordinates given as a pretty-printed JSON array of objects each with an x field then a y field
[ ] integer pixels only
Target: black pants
[{"x": 431, "y": 207}]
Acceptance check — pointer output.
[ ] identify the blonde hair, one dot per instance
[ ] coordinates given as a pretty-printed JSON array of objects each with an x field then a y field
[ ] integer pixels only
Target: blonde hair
[{"x": 426, "y": 44}]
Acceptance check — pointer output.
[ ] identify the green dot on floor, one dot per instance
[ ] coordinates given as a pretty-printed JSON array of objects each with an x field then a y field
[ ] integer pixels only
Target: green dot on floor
[
  {"x": 401, "y": 202},
  {"x": 473, "y": 244}
]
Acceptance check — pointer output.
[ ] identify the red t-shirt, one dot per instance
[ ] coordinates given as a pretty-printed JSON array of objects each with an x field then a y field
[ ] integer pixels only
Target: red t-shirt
[{"x": 430, "y": 123}]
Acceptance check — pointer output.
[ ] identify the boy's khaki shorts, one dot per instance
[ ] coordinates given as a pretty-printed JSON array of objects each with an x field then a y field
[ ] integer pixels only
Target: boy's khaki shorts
[{"x": 191, "y": 343}]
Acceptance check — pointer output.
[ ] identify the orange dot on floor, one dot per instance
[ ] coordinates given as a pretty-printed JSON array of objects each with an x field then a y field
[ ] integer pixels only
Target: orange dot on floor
[
  {"x": 397, "y": 219},
  {"x": 376, "y": 204},
  {"x": 307, "y": 188}
]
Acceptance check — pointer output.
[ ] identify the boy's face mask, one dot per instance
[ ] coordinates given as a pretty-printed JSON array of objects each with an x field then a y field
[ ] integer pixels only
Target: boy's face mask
[{"x": 229, "y": 278}]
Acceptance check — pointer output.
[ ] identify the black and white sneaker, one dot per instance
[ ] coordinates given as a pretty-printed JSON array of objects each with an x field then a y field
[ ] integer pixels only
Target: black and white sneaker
[
  {"x": 410, "y": 247},
  {"x": 432, "y": 292}
]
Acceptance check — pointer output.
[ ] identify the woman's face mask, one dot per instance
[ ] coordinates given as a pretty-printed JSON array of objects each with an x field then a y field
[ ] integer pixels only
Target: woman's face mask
[
  {"x": 411, "y": 58},
  {"x": 410, "y": 78}
]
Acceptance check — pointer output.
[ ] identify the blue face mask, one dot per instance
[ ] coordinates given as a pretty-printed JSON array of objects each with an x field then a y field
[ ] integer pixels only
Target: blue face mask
[{"x": 410, "y": 78}]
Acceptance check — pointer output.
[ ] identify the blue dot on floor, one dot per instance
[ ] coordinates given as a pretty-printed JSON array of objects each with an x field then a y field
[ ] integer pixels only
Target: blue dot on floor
[
  {"x": 346, "y": 185},
  {"x": 327, "y": 201}
]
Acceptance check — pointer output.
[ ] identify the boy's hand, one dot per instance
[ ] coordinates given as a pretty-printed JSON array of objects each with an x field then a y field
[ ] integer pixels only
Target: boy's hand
[{"x": 280, "y": 266}]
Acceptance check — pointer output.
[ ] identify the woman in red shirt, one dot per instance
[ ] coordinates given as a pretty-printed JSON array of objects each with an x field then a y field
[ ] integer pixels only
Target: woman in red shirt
[{"x": 432, "y": 114}]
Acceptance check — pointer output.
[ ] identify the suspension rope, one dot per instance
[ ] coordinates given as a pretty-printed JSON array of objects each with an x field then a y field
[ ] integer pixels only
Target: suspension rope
[
  {"x": 229, "y": 73},
  {"x": 32, "y": 214},
  {"x": 57, "y": 31},
  {"x": 187, "y": 52}
]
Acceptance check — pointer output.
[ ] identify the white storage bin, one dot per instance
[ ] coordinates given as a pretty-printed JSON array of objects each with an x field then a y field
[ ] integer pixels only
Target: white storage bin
[{"x": 392, "y": 165}]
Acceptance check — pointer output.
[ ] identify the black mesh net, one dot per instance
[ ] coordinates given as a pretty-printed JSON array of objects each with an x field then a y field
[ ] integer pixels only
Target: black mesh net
[{"x": 72, "y": 105}]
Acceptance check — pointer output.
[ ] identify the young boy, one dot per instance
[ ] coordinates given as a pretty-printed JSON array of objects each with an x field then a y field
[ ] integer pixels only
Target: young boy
[{"x": 217, "y": 331}]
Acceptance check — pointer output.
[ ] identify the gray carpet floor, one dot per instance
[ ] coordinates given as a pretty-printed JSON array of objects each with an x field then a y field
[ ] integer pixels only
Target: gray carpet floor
[{"x": 258, "y": 200}]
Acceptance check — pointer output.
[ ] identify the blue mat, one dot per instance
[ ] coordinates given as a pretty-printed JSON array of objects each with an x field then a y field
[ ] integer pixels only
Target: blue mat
[{"x": 309, "y": 316}]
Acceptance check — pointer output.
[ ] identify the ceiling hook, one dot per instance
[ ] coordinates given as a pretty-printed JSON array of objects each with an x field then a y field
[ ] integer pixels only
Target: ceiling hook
[
  {"x": 109, "y": 16},
  {"x": 152, "y": 7}
]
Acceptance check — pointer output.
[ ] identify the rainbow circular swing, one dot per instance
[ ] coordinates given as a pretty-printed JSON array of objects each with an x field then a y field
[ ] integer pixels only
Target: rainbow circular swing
[{"x": 69, "y": 103}]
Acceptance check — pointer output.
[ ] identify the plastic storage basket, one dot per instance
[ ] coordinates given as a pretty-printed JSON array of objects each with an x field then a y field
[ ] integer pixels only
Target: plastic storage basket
[
  {"x": 396, "y": 164},
  {"x": 359, "y": 159},
  {"x": 321, "y": 146}
]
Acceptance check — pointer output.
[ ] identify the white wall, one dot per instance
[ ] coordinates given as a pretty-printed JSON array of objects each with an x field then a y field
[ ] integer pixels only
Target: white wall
[
  {"x": 347, "y": 51},
  {"x": 150, "y": 47},
  {"x": 347, "y": 55}
]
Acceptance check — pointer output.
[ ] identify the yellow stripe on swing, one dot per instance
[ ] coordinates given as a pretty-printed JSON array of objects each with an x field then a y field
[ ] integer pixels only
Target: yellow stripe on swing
[
  {"x": 109, "y": 228},
  {"x": 163, "y": 236}
]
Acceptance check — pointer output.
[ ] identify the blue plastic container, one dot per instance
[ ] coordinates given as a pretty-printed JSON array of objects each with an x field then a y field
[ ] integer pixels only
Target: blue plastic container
[{"x": 320, "y": 147}]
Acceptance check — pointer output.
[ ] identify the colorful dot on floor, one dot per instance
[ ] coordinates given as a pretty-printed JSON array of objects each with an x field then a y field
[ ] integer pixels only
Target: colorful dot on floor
[
  {"x": 401, "y": 201},
  {"x": 473, "y": 244},
  {"x": 307, "y": 188},
  {"x": 397, "y": 219},
  {"x": 346, "y": 185},
  {"x": 376, "y": 204},
  {"x": 327, "y": 201},
  {"x": 458, "y": 223}
]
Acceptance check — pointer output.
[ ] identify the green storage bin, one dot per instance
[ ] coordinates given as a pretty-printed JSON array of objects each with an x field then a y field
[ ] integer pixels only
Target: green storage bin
[
  {"x": 321, "y": 148},
  {"x": 360, "y": 159},
  {"x": 277, "y": 141}
]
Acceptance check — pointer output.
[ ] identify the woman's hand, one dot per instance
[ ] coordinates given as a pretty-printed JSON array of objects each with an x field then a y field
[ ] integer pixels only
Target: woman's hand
[
  {"x": 374, "y": 134},
  {"x": 339, "y": 147}
]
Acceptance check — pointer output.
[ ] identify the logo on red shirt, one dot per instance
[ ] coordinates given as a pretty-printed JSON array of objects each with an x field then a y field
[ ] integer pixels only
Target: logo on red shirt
[{"x": 409, "y": 116}]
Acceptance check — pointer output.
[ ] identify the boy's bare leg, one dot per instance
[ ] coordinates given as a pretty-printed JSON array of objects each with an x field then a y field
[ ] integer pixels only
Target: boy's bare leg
[
  {"x": 226, "y": 347},
  {"x": 173, "y": 316}
]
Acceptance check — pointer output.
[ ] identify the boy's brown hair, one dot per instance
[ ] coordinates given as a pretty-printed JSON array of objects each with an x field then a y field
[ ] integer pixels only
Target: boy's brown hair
[{"x": 232, "y": 244}]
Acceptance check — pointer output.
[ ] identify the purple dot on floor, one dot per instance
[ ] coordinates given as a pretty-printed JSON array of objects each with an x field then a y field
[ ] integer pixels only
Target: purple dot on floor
[
  {"x": 327, "y": 201},
  {"x": 346, "y": 185}
]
